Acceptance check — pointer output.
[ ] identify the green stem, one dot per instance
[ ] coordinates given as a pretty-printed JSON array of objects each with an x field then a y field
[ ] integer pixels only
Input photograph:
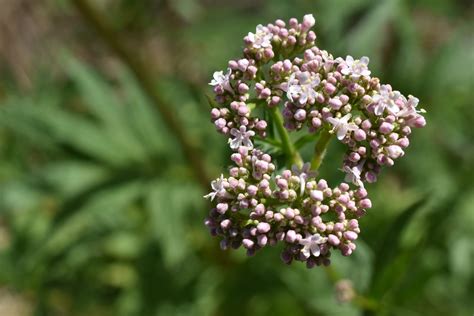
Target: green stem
[
  {"x": 292, "y": 155},
  {"x": 102, "y": 27},
  {"x": 320, "y": 149}
]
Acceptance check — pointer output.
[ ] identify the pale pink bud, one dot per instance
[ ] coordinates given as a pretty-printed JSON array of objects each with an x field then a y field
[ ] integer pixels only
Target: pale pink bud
[
  {"x": 386, "y": 128},
  {"x": 263, "y": 228},
  {"x": 308, "y": 22},
  {"x": 316, "y": 195},
  {"x": 333, "y": 240},
  {"x": 247, "y": 243},
  {"x": 290, "y": 236},
  {"x": 359, "y": 135},
  {"x": 350, "y": 235},
  {"x": 300, "y": 115}
]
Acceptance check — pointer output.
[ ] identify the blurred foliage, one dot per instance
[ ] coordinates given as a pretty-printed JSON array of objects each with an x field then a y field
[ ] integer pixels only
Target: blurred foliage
[{"x": 100, "y": 214}]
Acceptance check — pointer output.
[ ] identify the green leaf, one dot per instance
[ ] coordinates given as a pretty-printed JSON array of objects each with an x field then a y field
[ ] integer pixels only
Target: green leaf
[
  {"x": 388, "y": 262},
  {"x": 102, "y": 101},
  {"x": 169, "y": 204},
  {"x": 72, "y": 177},
  {"x": 303, "y": 140}
]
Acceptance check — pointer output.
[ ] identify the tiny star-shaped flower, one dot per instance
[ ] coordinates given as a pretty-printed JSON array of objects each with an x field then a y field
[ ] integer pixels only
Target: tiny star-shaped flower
[
  {"x": 355, "y": 67},
  {"x": 241, "y": 138},
  {"x": 301, "y": 85},
  {"x": 218, "y": 187},
  {"x": 386, "y": 99},
  {"x": 261, "y": 38},
  {"x": 304, "y": 173},
  {"x": 341, "y": 125},
  {"x": 311, "y": 245},
  {"x": 353, "y": 174},
  {"x": 222, "y": 80},
  {"x": 409, "y": 108}
]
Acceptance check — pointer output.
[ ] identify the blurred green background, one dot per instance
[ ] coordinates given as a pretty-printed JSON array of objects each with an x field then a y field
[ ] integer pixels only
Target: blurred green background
[{"x": 101, "y": 209}]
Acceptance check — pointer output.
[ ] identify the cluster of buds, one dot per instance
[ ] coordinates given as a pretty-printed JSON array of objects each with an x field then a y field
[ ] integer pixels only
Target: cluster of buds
[{"x": 281, "y": 69}]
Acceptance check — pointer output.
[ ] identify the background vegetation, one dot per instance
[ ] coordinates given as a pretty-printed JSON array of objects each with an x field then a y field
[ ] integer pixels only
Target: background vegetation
[{"x": 101, "y": 209}]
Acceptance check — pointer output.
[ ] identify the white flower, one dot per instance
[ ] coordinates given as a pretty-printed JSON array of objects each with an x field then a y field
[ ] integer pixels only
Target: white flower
[
  {"x": 219, "y": 79},
  {"x": 353, "y": 174},
  {"x": 410, "y": 107},
  {"x": 241, "y": 138},
  {"x": 341, "y": 125},
  {"x": 311, "y": 245},
  {"x": 302, "y": 86},
  {"x": 355, "y": 68},
  {"x": 326, "y": 56},
  {"x": 304, "y": 173},
  {"x": 262, "y": 38},
  {"x": 218, "y": 187},
  {"x": 387, "y": 99},
  {"x": 327, "y": 59}
]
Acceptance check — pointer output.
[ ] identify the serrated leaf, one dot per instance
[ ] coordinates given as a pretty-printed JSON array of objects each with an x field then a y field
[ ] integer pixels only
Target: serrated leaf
[
  {"x": 168, "y": 204},
  {"x": 388, "y": 261},
  {"x": 72, "y": 177},
  {"x": 102, "y": 101}
]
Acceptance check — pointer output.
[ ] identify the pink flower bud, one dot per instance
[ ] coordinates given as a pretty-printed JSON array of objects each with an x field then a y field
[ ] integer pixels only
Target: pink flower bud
[
  {"x": 300, "y": 115},
  {"x": 247, "y": 243},
  {"x": 329, "y": 88},
  {"x": 225, "y": 224},
  {"x": 243, "y": 64},
  {"x": 335, "y": 103},
  {"x": 243, "y": 88},
  {"x": 316, "y": 195},
  {"x": 350, "y": 235},
  {"x": 215, "y": 113},
  {"x": 359, "y": 135},
  {"x": 263, "y": 228},
  {"x": 252, "y": 190},
  {"x": 403, "y": 142},
  {"x": 395, "y": 151},
  {"x": 365, "y": 203},
  {"x": 333, "y": 240},
  {"x": 386, "y": 128},
  {"x": 311, "y": 37},
  {"x": 262, "y": 240},
  {"x": 366, "y": 125},
  {"x": 290, "y": 236},
  {"x": 308, "y": 22}
]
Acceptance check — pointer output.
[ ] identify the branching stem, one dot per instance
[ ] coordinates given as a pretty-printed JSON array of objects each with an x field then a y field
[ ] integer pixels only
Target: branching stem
[
  {"x": 292, "y": 155},
  {"x": 320, "y": 149}
]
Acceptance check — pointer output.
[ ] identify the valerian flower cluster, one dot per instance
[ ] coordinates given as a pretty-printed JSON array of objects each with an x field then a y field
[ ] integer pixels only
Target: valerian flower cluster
[{"x": 261, "y": 204}]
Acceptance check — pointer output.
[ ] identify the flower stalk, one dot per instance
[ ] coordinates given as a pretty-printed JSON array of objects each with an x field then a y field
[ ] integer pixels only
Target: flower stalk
[
  {"x": 320, "y": 149},
  {"x": 292, "y": 155}
]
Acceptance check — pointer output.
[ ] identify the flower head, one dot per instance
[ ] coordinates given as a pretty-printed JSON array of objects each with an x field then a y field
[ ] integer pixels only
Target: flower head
[
  {"x": 241, "y": 138},
  {"x": 261, "y": 38},
  {"x": 355, "y": 68},
  {"x": 311, "y": 245},
  {"x": 218, "y": 187},
  {"x": 341, "y": 125}
]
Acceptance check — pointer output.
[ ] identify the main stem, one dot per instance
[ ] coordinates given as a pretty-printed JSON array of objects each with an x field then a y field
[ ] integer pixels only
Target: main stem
[
  {"x": 320, "y": 149},
  {"x": 291, "y": 153}
]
